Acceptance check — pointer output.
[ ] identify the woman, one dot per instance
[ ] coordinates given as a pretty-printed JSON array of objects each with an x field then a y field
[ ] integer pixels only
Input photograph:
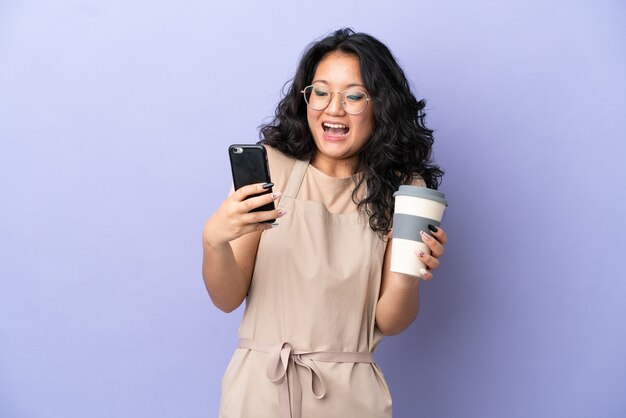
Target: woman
[{"x": 318, "y": 290}]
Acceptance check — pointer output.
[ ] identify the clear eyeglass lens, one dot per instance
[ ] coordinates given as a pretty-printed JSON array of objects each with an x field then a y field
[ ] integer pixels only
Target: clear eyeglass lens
[
  {"x": 352, "y": 100},
  {"x": 317, "y": 97}
]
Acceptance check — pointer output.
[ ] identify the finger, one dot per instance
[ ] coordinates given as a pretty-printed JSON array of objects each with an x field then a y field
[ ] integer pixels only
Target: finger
[
  {"x": 439, "y": 233},
  {"x": 258, "y": 201},
  {"x": 425, "y": 274},
  {"x": 431, "y": 262},
  {"x": 436, "y": 249},
  {"x": 258, "y": 227},
  {"x": 251, "y": 189},
  {"x": 263, "y": 216}
]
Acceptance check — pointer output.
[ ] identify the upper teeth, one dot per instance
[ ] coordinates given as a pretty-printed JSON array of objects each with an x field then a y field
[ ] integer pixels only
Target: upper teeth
[{"x": 334, "y": 125}]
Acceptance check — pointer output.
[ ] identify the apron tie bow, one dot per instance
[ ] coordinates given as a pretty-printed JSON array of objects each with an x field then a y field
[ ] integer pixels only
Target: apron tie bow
[{"x": 282, "y": 357}]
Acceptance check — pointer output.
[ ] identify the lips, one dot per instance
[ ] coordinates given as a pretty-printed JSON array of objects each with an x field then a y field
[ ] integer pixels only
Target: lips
[{"x": 334, "y": 131}]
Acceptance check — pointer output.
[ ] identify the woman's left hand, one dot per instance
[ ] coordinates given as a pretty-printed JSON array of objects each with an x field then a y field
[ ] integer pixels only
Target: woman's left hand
[{"x": 435, "y": 241}]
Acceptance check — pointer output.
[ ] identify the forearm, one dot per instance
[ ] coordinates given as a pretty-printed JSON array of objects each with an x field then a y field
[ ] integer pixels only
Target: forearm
[
  {"x": 399, "y": 303},
  {"x": 230, "y": 240},
  {"x": 224, "y": 280}
]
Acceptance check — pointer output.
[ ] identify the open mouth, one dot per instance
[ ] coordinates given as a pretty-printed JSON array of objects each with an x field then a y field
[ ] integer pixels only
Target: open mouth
[{"x": 335, "y": 129}]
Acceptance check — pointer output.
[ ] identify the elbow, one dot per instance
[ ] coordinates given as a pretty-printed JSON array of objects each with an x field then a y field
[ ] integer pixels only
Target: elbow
[
  {"x": 394, "y": 326},
  {"x": 223, "y": 301},
  {"x": 392, "y": 329},
  {"x": 388, "y": 332},
  {"x": 224, "y": 306}
]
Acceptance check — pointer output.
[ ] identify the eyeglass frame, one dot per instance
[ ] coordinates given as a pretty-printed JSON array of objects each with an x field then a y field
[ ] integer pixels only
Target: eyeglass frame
[{"x": 341, "y": 102}]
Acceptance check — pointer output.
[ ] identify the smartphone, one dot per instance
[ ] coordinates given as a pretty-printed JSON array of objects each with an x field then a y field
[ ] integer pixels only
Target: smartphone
[{"x": 249, "y": 166}]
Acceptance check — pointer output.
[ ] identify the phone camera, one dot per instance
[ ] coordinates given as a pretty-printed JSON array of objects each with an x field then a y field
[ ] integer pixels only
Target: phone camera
[{"x": 238, "y": 150}]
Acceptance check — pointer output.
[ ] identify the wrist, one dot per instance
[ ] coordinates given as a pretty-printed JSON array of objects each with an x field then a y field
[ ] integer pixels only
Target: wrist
[
  {"x": 209, "y": 241},
  {"x": 406, "y": 282},
  {"x": 215, "y": 245}
]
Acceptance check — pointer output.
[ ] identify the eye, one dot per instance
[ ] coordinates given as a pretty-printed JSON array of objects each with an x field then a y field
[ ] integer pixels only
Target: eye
[
  {"x": 320, "y": 92},
  {"x": 355, "y": 96}
]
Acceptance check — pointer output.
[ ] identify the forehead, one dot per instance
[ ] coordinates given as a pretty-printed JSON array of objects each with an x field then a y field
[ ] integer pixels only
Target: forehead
[{"x": 339, "y": 69}]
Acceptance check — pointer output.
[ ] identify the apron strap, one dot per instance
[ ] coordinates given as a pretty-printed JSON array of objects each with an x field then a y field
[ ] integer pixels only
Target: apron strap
[{"x": 295, "y": 179}]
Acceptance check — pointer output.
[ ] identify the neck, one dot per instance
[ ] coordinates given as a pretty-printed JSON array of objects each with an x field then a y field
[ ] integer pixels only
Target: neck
[{"x": 334, "y": 168}]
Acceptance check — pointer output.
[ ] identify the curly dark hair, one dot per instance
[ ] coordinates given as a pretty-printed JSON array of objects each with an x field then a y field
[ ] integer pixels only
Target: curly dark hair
[{"x": 400, "y": 147}]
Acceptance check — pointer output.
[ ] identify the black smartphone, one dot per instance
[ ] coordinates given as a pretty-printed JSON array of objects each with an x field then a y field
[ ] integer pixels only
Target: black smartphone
[{"x": 249, "y": 166}]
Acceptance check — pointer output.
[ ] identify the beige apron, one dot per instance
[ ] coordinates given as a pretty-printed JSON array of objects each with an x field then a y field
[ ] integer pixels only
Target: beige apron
[{"x": 308, "y": 333}]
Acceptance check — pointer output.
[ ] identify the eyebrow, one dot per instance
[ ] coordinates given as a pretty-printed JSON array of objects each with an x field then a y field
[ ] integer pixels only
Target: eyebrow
[{"x": 348, "y": 86}]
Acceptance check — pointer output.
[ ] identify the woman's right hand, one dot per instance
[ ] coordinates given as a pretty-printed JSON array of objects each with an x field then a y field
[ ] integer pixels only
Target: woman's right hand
[{"x": 234, "y": 219}]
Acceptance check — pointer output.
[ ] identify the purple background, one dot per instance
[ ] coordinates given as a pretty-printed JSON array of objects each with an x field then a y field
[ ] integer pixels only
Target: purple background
[{"x": 114, "y": 122}]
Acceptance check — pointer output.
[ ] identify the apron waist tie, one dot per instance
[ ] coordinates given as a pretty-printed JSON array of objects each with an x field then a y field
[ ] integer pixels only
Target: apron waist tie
[{"x": 282, "y": 356}]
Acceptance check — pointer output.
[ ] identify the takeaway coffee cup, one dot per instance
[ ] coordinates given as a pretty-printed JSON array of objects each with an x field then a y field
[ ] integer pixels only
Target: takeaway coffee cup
[{"x": 415, "y": 208}]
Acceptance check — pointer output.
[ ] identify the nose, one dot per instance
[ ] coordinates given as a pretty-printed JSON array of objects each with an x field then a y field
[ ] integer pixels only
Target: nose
[{"x": 335, "y": 107}]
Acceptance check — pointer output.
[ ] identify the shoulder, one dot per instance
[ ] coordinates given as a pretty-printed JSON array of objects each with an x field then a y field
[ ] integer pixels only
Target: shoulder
[{"x": 280, "y": 166}]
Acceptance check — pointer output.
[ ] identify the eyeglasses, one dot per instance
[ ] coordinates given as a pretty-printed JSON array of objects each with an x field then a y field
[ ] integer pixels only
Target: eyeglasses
[{"x": 318, "y": 97}]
